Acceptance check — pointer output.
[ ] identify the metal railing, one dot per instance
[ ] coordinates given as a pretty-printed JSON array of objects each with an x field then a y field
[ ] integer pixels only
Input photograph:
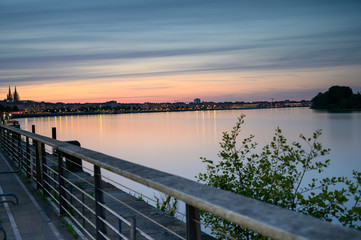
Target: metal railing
[{"x": 97, "y": 209}]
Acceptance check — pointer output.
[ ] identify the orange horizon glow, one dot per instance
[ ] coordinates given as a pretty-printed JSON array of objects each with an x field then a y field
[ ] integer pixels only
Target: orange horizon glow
[{"x": 238, "y": 86}]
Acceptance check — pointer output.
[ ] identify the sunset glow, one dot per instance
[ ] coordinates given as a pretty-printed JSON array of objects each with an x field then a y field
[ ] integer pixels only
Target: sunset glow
[{"x": 167, "y": 51}]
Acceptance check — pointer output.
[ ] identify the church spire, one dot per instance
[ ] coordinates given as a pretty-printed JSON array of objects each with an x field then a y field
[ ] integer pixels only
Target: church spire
[
  {"x": 16, "y": 96},
  {"x": 9, "y": 96}
]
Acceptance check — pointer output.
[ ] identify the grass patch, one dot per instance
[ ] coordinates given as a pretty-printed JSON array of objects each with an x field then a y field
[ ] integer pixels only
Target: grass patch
[
  {"x": 40, "y": 194},
  {"x": 70, "y": 229},
  {"x": 140, "y": 198}
]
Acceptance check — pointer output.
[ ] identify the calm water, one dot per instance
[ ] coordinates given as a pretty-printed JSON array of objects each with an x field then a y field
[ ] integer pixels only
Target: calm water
[{"x": 175, "y": 141}]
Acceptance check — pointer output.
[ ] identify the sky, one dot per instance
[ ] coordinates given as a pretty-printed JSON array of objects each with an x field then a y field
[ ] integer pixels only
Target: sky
[{"x": 166, "y": 51}]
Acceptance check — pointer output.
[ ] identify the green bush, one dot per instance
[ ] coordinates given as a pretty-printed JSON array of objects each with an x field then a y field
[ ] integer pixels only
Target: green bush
[
  {"x": 167, "y": 204},
  {"x": 277, "y": 176}
]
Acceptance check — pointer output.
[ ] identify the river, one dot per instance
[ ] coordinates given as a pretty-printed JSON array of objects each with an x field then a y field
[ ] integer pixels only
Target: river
[{"x": 175, "y": 141}]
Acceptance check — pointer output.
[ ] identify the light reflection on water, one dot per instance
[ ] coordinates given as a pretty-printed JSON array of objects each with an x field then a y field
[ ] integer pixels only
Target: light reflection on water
[{"x": 175, "y": 141}]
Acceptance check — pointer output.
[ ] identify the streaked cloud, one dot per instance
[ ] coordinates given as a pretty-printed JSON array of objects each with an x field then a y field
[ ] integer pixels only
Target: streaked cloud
[{"x": 125, "y": 42}]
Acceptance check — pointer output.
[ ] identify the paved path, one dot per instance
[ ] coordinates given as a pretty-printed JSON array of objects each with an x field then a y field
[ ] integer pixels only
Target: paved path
[{"x": 32, "y": 218}]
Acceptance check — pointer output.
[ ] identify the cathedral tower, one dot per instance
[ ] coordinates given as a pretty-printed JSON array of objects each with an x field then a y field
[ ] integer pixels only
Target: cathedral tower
[
  {"x": 9, "y": 97},
  {"x": 16, "y": 96}
]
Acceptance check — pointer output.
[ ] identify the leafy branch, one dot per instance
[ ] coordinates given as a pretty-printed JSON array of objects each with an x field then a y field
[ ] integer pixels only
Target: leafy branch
[{"x": 277, "y": 176}]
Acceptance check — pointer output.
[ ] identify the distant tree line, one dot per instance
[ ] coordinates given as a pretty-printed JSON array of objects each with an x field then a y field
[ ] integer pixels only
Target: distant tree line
[
  {"x": 8, "y": 108},
  {"x": 337, "y": 97}
]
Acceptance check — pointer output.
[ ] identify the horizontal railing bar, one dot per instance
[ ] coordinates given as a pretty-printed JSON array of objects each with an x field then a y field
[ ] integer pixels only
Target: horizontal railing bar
[
  {"x": 79, "y": 225},
  {"x": 144, "y": 234},
  {"x": 124, "y": 220},
  {"x": 54, "y": 199},
  {"x": 78, "y": 212},
  {"x": 40, "y": 184},
  {"x": 49, "y": 185},
  {"x": 120, "y": 234},
  {"x": 79, "y": 189},
  {"x": 75, "y": 175},
  {"x": 267, "y": 219},
  {"x": 141, "y": 214},
  {"x": 50, "y": 160},
  {"x": 50, "y": 177},
  {"x": 115, "y": 230},
  {"x": 52, "y": 196},
  {"x": 107, "y": 208},
  {"x": 115, "y": 214},
  {"x": 79, "y": 201},
  {"x": 105, "y": 236}
]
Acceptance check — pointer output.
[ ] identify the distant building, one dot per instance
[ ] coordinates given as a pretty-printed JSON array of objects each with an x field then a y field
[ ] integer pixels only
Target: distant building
[
  {"x": 16, "y": 96},
  {"x": 197, "y": 101},
  {"x": 13, "y": 97},
  {"x": 9, "y": 97}
]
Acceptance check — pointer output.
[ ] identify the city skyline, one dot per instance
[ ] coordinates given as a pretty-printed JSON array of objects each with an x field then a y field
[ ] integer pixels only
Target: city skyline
[
  {"x": 14, "y": 97},
  {"x": 161, "y": 51}
]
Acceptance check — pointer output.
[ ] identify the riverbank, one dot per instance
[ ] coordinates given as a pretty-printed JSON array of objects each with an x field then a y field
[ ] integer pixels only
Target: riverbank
[{"x": 37, "y": 115}]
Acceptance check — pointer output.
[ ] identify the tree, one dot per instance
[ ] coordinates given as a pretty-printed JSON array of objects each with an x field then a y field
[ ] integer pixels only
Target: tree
[
  {"x": 337, "y": 97},
  {"x": 277, "y": 176}
]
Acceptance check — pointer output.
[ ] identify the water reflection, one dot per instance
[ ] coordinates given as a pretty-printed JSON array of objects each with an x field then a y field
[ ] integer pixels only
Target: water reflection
[{"x": 174, "y": 141}]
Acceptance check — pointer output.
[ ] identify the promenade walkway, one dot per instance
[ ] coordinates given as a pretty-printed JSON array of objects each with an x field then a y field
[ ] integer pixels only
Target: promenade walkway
[{"x": 32, "y": 218}]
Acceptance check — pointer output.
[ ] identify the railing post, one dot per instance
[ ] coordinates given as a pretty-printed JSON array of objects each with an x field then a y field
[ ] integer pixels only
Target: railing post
[
  {"x": 44, "y": 170},
  {"x": 8, "y": 141},
  {"x": 120, "y": 228},
  {"x": 13, "y": 153},
  {"x": 11, "y": 139},
  {"x": 99, "y": 198},
  {"x": 29, "y": 167},
  {"x": 3, "y": 139},
  {"x": 61, "y": 184},
  {"x": 192, "y": 222},
  {"x": 38, "y": 164},
  {"x": 133, "y": 229},
  {"x": 83, "y": 208},
  {"x": 53, "y": 133},
  {"x": 20, "y": 157},
  {"x": 33, "y": 131},
  {"x": 1, "y": 136}
]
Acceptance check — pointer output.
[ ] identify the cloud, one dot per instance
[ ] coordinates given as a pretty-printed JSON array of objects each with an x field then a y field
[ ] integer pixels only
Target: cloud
[
  {"x": 59, "y": 41},
  {"x": 151, "y": 87},
  {"x": 276, "y": 95}
]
